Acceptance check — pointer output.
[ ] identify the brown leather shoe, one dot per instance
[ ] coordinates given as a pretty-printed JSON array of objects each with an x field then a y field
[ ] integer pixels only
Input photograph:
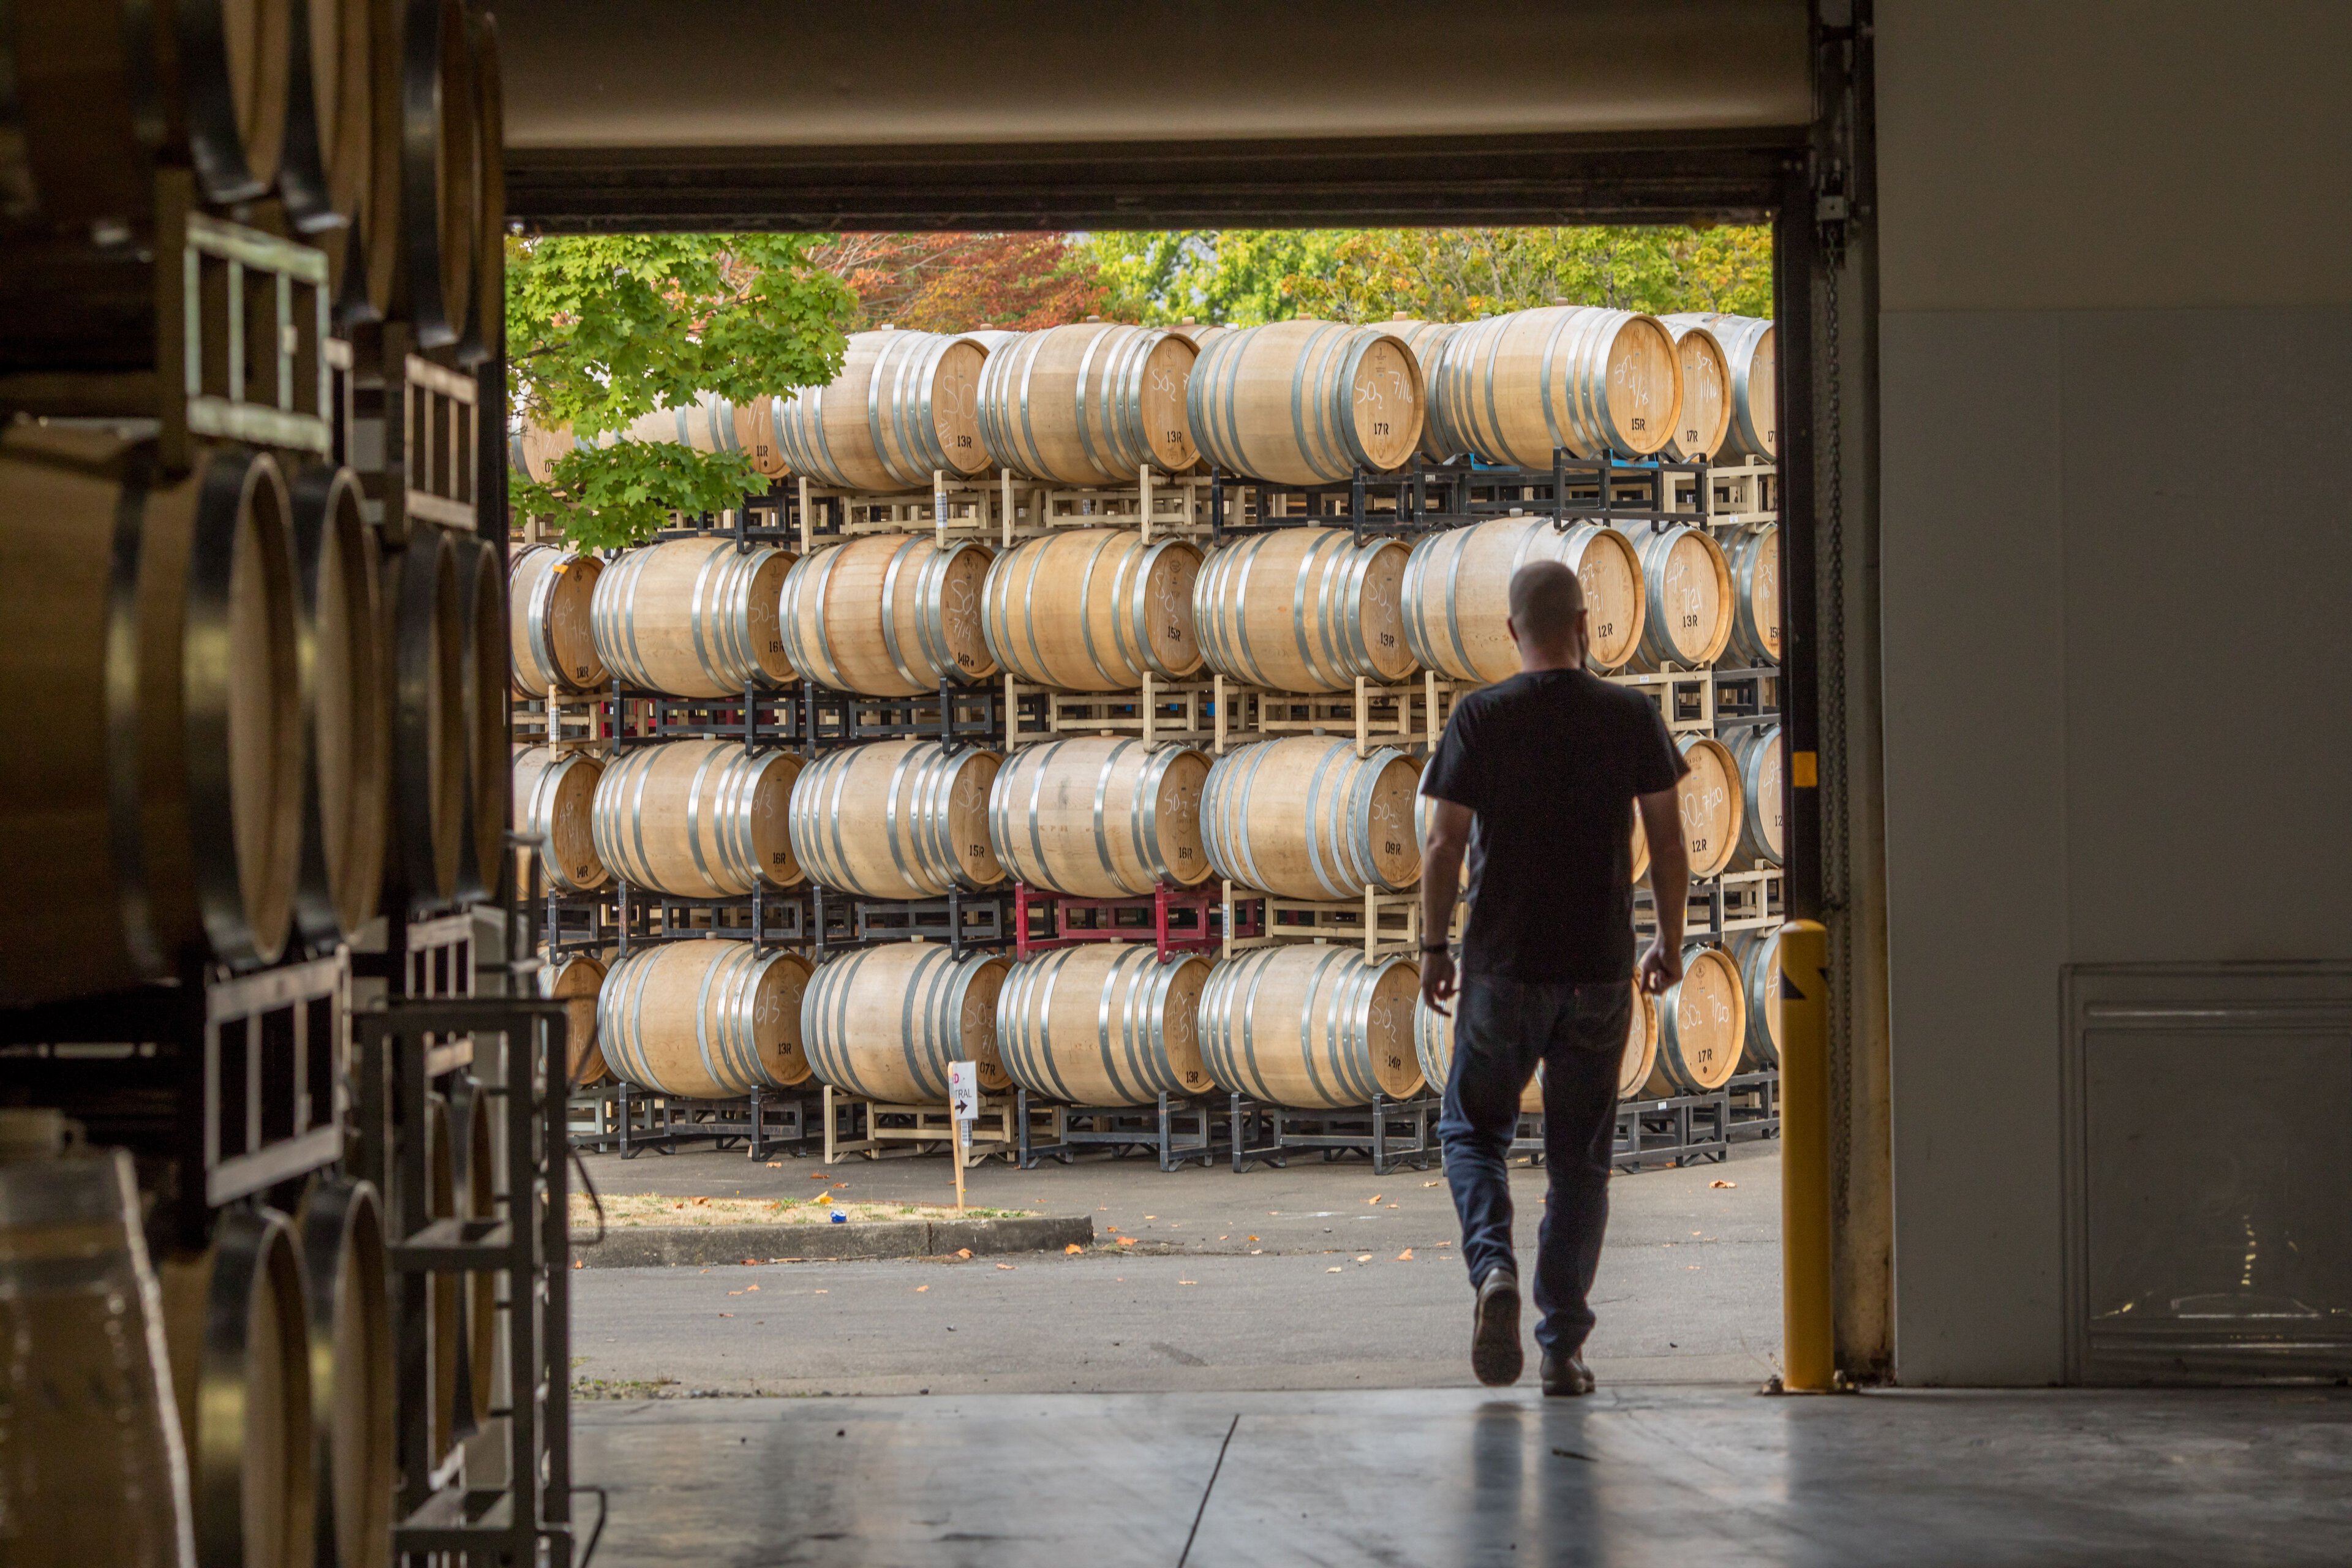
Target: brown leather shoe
[
  {"x": 1496, "y": 1354},
  {"x": 1566, "y": 1376}
]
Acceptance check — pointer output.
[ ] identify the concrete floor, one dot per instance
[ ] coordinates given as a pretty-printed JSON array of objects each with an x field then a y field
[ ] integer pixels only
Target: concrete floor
[
  {"x": 1292, "y": 1278},
  {"x": 1630, "y": 1477}
]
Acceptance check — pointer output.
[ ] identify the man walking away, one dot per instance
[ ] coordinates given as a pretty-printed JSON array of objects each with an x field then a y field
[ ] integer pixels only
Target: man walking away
[{"x": 1538, "y": 777}]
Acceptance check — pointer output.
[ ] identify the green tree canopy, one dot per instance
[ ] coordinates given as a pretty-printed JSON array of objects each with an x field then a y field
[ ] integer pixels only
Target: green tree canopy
[{"x": 604, "y": 328}]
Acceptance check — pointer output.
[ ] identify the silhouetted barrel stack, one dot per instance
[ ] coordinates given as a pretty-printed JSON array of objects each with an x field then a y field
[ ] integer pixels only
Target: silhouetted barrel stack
[
  {"x": 1314, "y": 1026},
  {"x": 237, "y": 1323},
  {"x": 439, "y": 172},
  {"x": 1713, "y": 803},
  {"x": 1641, "y": 1059},
  {"x": 1755, "y": 751},
  {"x": 486, "y": 675},
  {"x": 1514, "y": 388},
  {"x": 476, "y": 1146},
  {"x": 706, "y": 1020},
  {"x": 428, "y": 715},
  {"x": 1304, "y": 609},
  {"x": 346, "y": 718},
  {"x": 1433, "y": 1044},
  {"x": 1750, "y": 356},
  {"x": 1306, "y": 402},
  {"x": 1704, "y": 416},
  {"x": 698, "y": 819},
  {"x": 1757, "y": 954},
  {"x": 551, "y": 599},
  {"x": 1305, "y": 817},
  {"x": 904, "y": 408},
  {"x": 1104, "y": 1022},
  {"x": 87, "y": 1331},
  {"x": 1093, "y": 609},
  {"x": 1089, "y": 404},
  {"x": 487, "y": 334},
  {"x": 884, "y": 1022},
  {"x": 576, "y": 979},
  {"x": 1754, "y": 559},
  {"x": 896, "y": 819},
  {"x": 1099, "y": 817},
  {"x": 328, "y": 149},
  {"x": 1427, "y": 339},
  {"x": 693, "y": 617},
  {"x": 1702, "y": 1025},
  {"x": 1687, "y": 599},
  {"x": 153, "y": 647},
  {"x": 888, "y": 615},
  {"x": 554, "y": 802},
  {"x": 444, "y": 1308},
  {"x": 354, "y": 1401},
  {"x": 1457, "y": 586}
]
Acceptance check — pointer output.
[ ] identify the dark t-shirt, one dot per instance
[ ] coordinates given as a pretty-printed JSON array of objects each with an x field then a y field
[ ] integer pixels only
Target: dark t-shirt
[{"x": 1550, "y": 761}]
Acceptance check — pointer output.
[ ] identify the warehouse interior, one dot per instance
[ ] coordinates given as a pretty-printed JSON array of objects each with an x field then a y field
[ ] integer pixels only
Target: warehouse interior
[{"x": 2044, "y": 275}]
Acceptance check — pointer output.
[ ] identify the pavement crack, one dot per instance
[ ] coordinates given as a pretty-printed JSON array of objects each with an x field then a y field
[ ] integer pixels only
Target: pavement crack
[
  {"x": 1214, "y": 1471},
  {"x": 1183, "y": 1358}
]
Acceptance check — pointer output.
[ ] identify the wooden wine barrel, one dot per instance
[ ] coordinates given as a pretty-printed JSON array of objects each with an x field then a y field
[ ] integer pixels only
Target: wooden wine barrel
[
  {"x": 344, "y": 696},
  {"x": 1457, "y": 594},
  {"x": 1688, "y": 604},
  {"x": 1702, "y": 1022},
  {"x": 1200, "y": 334},
  {"x": 322, "y": 176},
  {"x": 706, "y": 425},
  {"x": 444, "y": 1309},
  {"x": 1432, "y": 1047},
  {"x": 1752, "y": 361},
  {"x": 440, "y": 223},
  {"x": 554, "y": 801},
  {"x": 1754, "y": 559},
  {"x": 476, "y": 1146},
  {"x": 1310, "y": 1025},
  {"x": 1099, "y": 817},
  {"x": 756, "y": 435},
  {"x": 693, "y": 617},
  {"x": 904, "y": 408},
  {"x": 1427, "y": 339},
  {"x": 429, "y": 780},
  {"x": 483, "y": 672},
  {"x": 706, "y": 1020},
  {"x": 93, "y": 1421},
  {"x": 1758, "y": 954},
  {"x": 1305, "y": 817},
  {"x": 355, "y": 1400},
  {"x": 1763, "y": 837},
  {"x": 1306, "y": 402},
  {"x": 885, "y": 1022},
  {"x": 896, "y": 819},
  {"x": 101, "y": 90},
  {"x": 576, "y": 979},
  {"x": 1304, "y": 609},
  {"x": 698, "y": 819},
  {"x": 152, "y": 647},
  {"x": 888, "y": 615},
  {"x": 1641, "y": 846},
  {"x": 551, "y": 594},
  {"x": 1704, "y": 416},
  {"x": 1641, "y": 1059},
  {"x": 1515, "y": 388},
  {"x": 1092, "y": 609},
  {"x": 1094, "y": 403},
  {"x": 237, "y": 1325},
  {"x": 534, "y": 450},
  {"x": 1104, "y": 1022},
  {"x": 1714, "y": 806}
]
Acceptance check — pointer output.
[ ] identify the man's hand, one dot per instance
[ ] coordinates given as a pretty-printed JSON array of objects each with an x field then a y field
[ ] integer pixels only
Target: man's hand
[
  {"x": 1437, "y": 981},
  {"x": 1661, "y": 967}
]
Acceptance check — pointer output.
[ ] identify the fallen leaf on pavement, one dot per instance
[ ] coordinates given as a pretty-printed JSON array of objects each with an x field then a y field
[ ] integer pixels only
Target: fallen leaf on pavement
[
  {"x": 1719, "y": 1182},
  {"x": 576, "y": 1263},
  {"x": 1374, "y": 1198},
  {"x": 1405, "y": 1257},
  {"x": 1366, "y": 1257},
  {"x": 1008, "y": 1266},
  {"x": 1072, "y": 1250},
  {"x": 964, "y": 1252},
  {"x": 1127, "y": 1241},
  {"x": 1432, "y": 1183},
  {"x": 775, "y": 1165},
  {"x": 726, "y": 1314},
  {"x": 1332, "y": 1271},
  {"x": 920, "y": 1289},
  {"x": 1188, "y": 1282},
  {"x": 750, "y": 1287}
]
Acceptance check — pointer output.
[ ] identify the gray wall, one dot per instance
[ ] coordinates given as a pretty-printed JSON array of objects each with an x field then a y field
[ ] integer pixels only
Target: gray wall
[{"x": 2115, "y": 253}]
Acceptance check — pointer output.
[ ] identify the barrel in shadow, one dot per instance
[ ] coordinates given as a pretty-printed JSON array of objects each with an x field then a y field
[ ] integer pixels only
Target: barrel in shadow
[
  {"x": 483, "y": 673},
  {"x": 354, "y": 1402},
  {"x": 429, "y": 733},
  {"x": 1432, "y": 1047},
  {"x": 346, "y": 713}
]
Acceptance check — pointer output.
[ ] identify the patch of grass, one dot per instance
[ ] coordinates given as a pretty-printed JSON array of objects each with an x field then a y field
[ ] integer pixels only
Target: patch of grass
[
  {"x": 626, "y": 1211},
  {"x": 622, "y": 1387}
]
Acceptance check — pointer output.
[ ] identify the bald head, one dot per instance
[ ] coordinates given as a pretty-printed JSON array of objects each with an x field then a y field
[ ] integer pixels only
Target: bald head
[{"x": 1546, "y": 612}]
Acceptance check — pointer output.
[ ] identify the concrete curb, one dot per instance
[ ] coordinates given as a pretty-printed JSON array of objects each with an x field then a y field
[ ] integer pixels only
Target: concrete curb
[{"x": 702, "y": 1246}]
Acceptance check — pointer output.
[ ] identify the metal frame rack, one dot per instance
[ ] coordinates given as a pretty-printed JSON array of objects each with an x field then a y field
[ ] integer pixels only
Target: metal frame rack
[
  {"x": 1389, "y": 1132},
  {"x": 1424, "y": 497},
  {"x": 1176, "y": 1131},
  {"x": 1682, "y": 1129}
]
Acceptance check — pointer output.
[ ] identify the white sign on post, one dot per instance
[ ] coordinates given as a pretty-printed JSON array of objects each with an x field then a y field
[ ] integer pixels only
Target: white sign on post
[{"x": 963, "y": 1090}]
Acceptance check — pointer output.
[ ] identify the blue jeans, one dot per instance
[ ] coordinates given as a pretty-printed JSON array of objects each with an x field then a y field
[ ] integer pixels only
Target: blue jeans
[{"x": 1502, "y": 1030}]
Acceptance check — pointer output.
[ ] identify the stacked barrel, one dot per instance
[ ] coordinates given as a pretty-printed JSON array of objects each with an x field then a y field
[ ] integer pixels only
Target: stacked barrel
[
  {"x": 1275, "y": 792},
  {"x": 269, "y": 729}
]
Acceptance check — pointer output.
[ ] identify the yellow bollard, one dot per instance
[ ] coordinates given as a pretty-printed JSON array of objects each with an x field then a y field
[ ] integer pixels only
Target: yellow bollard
[{"x": 1809, "y": 1331}]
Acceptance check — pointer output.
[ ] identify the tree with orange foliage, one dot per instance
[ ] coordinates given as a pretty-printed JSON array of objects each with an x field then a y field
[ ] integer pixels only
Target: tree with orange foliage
[{"x": 956, "y": 282}]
